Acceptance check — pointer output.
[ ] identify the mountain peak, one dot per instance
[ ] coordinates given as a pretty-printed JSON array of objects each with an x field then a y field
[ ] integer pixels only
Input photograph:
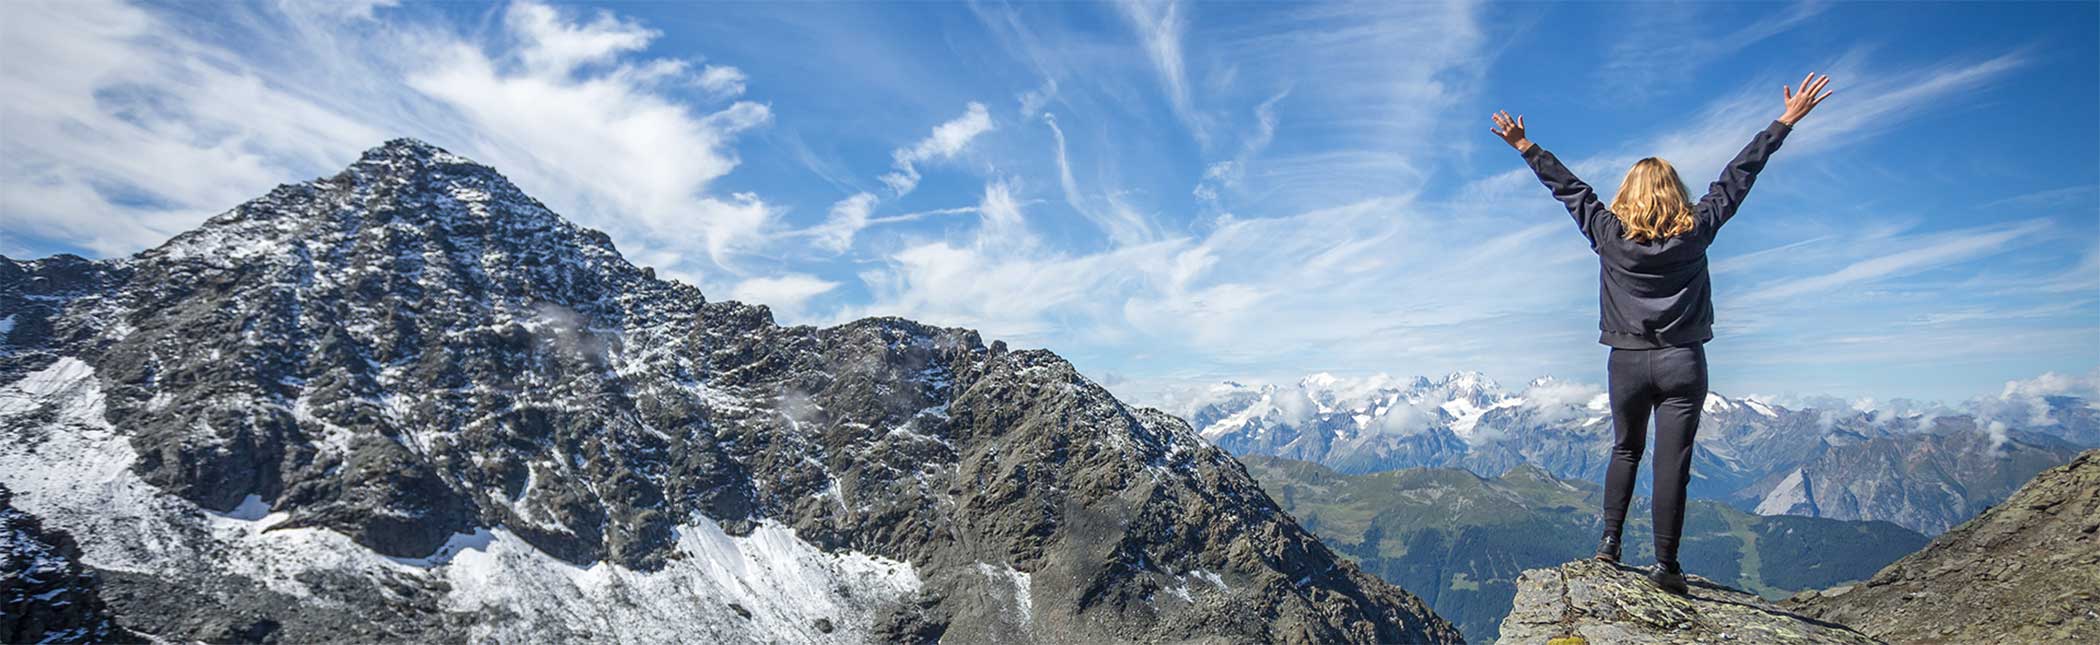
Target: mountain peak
[
  {"x": 1469, "y": 379},
  {"x": 408, "y": 147}
]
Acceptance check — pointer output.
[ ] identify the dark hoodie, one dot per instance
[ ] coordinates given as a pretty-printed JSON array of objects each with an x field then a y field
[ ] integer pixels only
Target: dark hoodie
[{"x": 1656, "y": 294}]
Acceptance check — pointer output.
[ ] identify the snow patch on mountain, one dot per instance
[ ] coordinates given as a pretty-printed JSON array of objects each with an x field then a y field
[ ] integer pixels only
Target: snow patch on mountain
[
  {"x": 721, "y": 588},
  {"x": 1789, "y": 496},
  {"x": 75, "y": 472}
]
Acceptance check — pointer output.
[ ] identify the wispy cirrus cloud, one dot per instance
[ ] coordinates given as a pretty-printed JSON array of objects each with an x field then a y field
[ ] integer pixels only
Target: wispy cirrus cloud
[
  {"x": 1663, "y": 43},
  {"x": 1159, "y": 27},
  {"x": 1907, "y": 255},
  {"x": 124, "y": 128},
  {"x": 1188, "y": 192}
]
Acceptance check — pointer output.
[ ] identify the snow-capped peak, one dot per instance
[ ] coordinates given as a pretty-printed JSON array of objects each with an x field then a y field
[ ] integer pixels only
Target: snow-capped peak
[{"x": 1469, "y": 380}]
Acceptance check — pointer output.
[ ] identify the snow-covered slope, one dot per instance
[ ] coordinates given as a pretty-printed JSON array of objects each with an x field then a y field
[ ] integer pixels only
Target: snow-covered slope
[{"x": 409, "y": 403}]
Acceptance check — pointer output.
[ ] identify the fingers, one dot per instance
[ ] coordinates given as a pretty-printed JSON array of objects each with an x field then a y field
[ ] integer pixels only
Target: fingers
[
  {"x": 1520, "y": 121},
  {"x": 1819, "y": 99},
  {"x": 1786, "y": 91}
]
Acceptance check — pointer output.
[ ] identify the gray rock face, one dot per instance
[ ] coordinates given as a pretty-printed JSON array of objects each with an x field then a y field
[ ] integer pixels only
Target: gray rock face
[
  {"x": 1587, "y": 601},
  {"x": 418, "y": 356},
  {"x": 2025, "y": 571},
  {"x": 46, "y": 595},
  {"x": 1928, "y": 481}
]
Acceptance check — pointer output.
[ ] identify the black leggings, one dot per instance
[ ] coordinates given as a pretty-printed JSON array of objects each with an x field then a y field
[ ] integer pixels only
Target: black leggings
[{"x": 1671, "y": 384}]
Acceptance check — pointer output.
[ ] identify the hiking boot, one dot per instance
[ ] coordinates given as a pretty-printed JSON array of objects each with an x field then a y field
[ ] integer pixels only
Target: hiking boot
[
  {"x": 1608, "y": 548},
  {"x": 1670, "y": 577}
]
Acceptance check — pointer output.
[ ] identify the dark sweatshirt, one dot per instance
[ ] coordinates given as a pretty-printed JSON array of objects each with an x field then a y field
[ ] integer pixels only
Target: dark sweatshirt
[{"x": 1656, "y": 294}]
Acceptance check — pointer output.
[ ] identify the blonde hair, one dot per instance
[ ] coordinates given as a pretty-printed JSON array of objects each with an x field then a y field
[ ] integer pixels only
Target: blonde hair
[{"x": 1653, "y": 203}]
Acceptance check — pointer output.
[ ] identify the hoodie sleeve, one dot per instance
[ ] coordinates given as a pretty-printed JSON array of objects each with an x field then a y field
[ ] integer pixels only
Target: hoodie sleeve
[
  {"x": 1581, "y": 201},
  {"x": 1727, "y": 193}
]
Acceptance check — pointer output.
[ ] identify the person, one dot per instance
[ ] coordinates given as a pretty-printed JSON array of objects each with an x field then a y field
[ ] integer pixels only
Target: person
[{"x": 1657, "y": 309}]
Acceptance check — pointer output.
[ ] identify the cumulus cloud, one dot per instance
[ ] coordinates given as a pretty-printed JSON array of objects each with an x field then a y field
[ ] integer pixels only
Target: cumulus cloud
[
  {"x": 2025, "y": 402},
  {"x": 573, "y": 113},
  {"x": 1560, "y": 395},
  {"x": 722, "y": 80},
  {"x": 947, "y": 140}
]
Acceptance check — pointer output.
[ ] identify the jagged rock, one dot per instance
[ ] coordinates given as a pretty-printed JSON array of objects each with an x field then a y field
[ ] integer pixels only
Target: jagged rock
[
  {"x": 409, "y": 402},
  {"x": 1594, "y": 602},
  {"x": 2025, "y": 571}
]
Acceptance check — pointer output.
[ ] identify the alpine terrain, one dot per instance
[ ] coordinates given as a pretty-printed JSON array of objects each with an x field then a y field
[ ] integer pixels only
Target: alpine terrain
[
  {"x": 409, "y": 402},
  {"x": 1462, "y": 541},
  {"x": 1924, "y": 470},
  {"x": 2025, "y": 571}
]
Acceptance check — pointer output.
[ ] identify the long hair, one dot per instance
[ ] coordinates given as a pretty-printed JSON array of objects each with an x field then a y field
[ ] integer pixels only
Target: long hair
[{"x": 1653, "y": 203}]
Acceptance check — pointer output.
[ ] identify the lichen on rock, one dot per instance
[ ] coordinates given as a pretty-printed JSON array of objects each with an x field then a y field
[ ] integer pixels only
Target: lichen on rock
[{"x": 1588, "y": 601}]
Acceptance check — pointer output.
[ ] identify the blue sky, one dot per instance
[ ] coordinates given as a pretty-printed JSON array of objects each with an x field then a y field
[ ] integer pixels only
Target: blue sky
[{"x": 1166, "y": 194}]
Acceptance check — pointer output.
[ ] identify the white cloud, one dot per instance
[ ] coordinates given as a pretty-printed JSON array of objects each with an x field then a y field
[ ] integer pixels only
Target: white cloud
[
  {"x": 124, "y": 129},
  {"x": 947, "y": 140},
  {"x": 1923, "y": 254},
  {"x": 119, "y": 136},
  {"x": 787, "y": 295},
  {"x": 1159, "y": 27},
  {"x": 846, "y": 219},
  {"x": 1651, "y": 53},
  {"x": 1224, "y": 176},
  {"x": 1123, "y": 224},
  {"x": 722, "y": 80},
  {"x": 553, "y": 45},
  {"x": 608, "y": 139}
]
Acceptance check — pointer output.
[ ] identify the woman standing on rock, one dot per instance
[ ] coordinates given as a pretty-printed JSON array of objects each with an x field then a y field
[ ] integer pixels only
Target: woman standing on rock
[{"x": 1658, "y": 309}]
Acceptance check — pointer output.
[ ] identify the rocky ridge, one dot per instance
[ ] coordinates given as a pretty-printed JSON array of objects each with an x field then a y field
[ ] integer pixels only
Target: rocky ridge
[
  {"x": 2025, "y": 571},
  {"x": 409, "y": 402},
  {"x": 1587, "y": 601}
]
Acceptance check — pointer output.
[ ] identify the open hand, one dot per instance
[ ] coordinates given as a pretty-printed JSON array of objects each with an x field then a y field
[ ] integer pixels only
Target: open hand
[
  {"x": 1799, "y": 103},
  {"x": 1511, "y": 130}
]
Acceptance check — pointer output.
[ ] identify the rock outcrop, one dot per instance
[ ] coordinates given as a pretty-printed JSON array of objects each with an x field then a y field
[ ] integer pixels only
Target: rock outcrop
[
  {"x": 1587, "y": 601},
  {"x": 1460, "y": 540},
  {"x": 2025, "y": 571}
]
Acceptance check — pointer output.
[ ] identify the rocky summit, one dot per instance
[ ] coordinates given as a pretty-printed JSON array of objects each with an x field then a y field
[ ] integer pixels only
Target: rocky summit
[
  {"x": 2025, "y": 571},
  {"x": 1587, "y": 601},
  {"x": 409, "y": 402}
]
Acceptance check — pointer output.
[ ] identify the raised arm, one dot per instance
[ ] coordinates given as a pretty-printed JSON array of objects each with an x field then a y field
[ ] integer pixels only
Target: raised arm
[
  {"x": 1580, "y": 199},
  {"x": 1727, "y": 193}
]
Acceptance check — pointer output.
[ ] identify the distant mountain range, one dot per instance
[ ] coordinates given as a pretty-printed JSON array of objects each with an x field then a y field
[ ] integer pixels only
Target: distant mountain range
[
  {"x": 1460, "y": 540},
  {"x": 1926, "y": 469}
]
